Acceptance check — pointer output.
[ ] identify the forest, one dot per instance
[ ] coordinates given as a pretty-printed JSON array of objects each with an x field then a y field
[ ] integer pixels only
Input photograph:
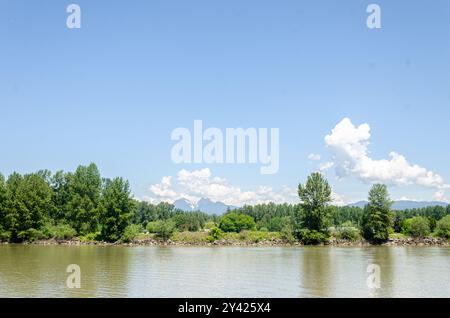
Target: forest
[{"x": 84, "y": 206}]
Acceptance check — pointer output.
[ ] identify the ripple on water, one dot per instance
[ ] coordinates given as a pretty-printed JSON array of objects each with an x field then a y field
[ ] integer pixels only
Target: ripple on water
[{"x": 40, "y": 271}]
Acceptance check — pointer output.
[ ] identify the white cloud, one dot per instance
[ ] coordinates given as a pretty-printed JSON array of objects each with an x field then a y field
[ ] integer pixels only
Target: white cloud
[
  {"x": 440, "y": 196},
  {"x": 326, "y": 166},
  {"x": 349, "y": 145},
  {"x": 338, "y": 199},
  {"x": 314, "y": 157},
  {"x": 163, "y": 189},
  {"x": 196, "y": 184},
  {"x": 405, "y": 198}
]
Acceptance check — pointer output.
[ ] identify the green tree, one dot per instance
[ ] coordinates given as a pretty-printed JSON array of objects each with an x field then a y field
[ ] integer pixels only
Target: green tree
[
  {"x": 163, "y": 229},
  {"x": 28, "y": 200},
  {"x": 164, "y": 210},
  {"x": 131, "y": 232},
  {"x": 287, "y": 229},
  {"x": 233, "y": 222},
  {"x": 377, "y": 216},
  {"x": 191, "y": 221},
  {"x": 419, "y": 227},
  {"x": 84, "y": 188},
  {"x": 443, "y": 227},
  {"x": 61, "y": 194},
  {"x": 348, "y": 232},
  {"x": 215, "y": 234},
  {"x": 116, "y": 208},
  {"x": 315, "y": 196},
  {"x": 4, "y": 234},
  {"x": 144, "y": 213}
]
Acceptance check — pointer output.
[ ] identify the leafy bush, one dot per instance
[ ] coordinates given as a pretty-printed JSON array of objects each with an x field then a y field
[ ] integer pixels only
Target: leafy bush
[
  {"x": 419, "y": 227},
  {"x": 443, "y": 227},
  {"x": 209, "y": 225},
  {"x": 406, "y": 226},
  {"x": 59, "y": 232},
  {"x": 131, "y": 232},
  {"x": 190, "y": 237},
  {"x": 287, "y": 230},
  {"x": 187, "y": 222},
  {"x": 214, "y": 234},
  {"x": 312, "y": 237},
  {"x": 5, "y": 236},
  {"x": 163, "y": 229},
  {"x": 347, "y": 231},
  {"x": 275, "y": 224},
  {"x": 152, "y": 226},
  {"x": 90, "y": 237},
  {"x": 233, "y": 222},
  {"x": 257, "y": 236},
  {"x": 31, "y": 235},
  {"x": 397, "y": 236}
]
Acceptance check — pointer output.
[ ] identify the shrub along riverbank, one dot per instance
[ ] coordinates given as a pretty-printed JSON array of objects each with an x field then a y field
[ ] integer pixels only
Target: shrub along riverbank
[
  {"x": 82, "y": 208},
  {"x": 243, "y": 239}
]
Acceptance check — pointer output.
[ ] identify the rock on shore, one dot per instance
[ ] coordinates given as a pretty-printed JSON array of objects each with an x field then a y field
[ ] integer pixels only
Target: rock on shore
[{"x": 406, "y": 241}]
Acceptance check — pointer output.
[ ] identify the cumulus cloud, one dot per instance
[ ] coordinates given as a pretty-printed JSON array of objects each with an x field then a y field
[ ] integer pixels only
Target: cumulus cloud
[
  {"x": 314, "y": 157},
  {"x": 440, "y": 196},
  {"x": 349, "y": 146},
  {"x": 338, "y": 199},
  {"x": 405, "y": 198},
  {"x": 326, "y": 166},
  {"x": 196, "y": 184}
]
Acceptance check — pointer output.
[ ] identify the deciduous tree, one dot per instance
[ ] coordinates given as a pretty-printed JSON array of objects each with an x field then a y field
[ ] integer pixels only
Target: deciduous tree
[
  {"x": 315, "y": 196},
  {"x": 116, "y": 208}
]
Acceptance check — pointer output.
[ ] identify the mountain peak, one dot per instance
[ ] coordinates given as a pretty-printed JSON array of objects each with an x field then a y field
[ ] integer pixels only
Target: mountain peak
[{"x": 204, "y": 205}]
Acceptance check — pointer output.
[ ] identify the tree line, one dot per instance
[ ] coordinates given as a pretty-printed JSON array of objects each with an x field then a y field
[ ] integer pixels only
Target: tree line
[
  {"x": 315, "y": 220},
  {"x": 82, "y": 204}
]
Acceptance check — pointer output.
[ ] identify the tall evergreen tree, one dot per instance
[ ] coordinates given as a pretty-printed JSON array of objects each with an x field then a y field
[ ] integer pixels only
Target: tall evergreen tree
[{"x": 377, "y": 214}]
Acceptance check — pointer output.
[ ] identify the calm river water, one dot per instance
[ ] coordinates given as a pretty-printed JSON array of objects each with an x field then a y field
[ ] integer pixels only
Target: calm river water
[{"x": 40, "y": 271}]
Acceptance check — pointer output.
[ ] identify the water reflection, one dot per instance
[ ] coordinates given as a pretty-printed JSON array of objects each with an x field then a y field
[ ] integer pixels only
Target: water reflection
[
  {"x": 40, "y": 271},
  {"x": 316, "y": 268}
]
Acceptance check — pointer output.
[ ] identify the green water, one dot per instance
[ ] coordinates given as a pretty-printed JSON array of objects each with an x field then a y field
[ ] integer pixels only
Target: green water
[{"x": 40, "y": 271}]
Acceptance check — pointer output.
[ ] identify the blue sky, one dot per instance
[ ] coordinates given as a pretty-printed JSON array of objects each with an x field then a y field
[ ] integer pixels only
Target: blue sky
[{"x": 113, "y": 91}]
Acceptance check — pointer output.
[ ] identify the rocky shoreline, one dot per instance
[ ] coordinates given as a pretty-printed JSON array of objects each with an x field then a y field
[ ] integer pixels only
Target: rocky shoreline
[{"x": 407, "y": 241}]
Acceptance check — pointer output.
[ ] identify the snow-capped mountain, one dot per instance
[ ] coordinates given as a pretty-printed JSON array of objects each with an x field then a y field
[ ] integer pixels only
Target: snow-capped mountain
[{"x": 204, "y": 205}]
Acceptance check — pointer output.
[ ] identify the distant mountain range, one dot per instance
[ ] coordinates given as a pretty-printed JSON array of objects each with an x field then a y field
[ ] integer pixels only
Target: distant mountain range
[
  {"x": 405, "y": 204},
  {"x": 208, "y": 206},
  {"x": 204, "y": 205}
]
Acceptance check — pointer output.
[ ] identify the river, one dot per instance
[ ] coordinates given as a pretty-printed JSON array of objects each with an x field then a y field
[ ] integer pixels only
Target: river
[{"x": 40, "y": 271}]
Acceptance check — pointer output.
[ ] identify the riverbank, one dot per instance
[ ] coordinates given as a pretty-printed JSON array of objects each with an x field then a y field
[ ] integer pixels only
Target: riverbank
[{"x": 406, "y": 241}]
